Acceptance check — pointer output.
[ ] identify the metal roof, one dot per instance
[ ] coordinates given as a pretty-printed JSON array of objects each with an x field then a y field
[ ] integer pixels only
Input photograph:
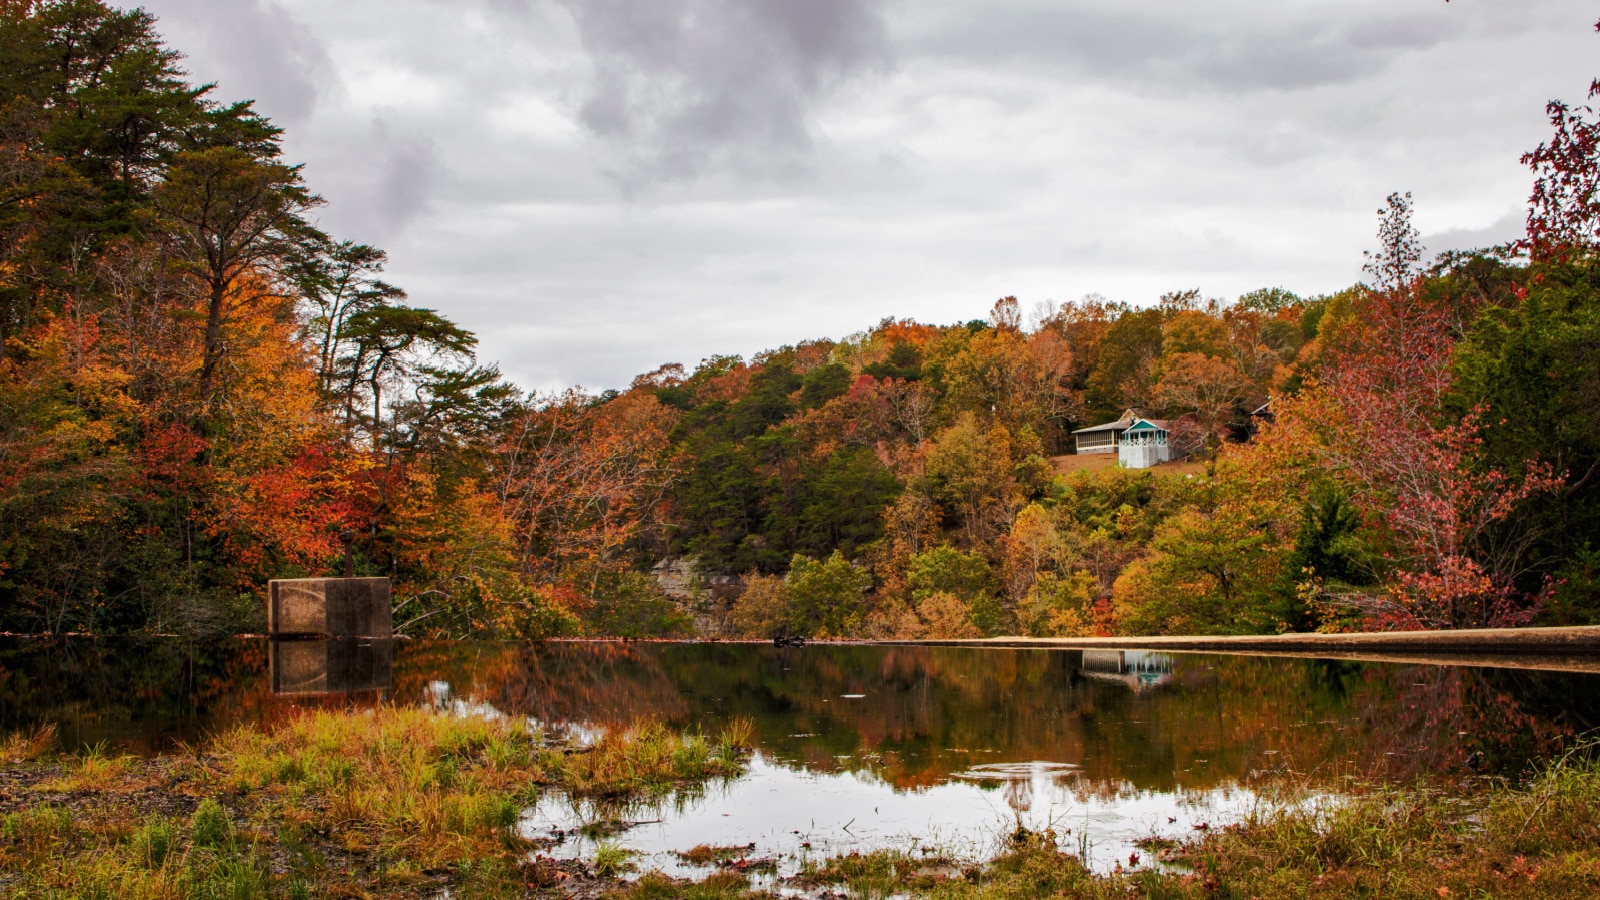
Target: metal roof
[
  {"x": 1125, "y": 423},
  {"x": 1120, "y": 424}
]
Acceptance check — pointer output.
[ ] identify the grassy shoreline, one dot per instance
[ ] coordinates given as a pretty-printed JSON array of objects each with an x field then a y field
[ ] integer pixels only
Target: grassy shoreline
[
  {"x": 389, "y": 802},
  {"x": 395, "y": 802}
]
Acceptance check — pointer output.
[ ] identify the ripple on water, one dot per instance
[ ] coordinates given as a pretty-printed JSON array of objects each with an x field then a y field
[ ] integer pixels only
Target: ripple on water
[{"x": 1017, "y": 771}]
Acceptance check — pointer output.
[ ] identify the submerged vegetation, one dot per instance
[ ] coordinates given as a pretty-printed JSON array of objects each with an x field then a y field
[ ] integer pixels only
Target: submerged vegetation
[
  {"x": 1534, "y": 841},
  {"x": 389, "y": 801},
  {"x": 399, "y": 803}
]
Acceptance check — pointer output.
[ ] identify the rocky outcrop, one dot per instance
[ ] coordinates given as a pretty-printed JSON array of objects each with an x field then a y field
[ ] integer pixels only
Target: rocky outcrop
[{"x": 705, "y": 596}]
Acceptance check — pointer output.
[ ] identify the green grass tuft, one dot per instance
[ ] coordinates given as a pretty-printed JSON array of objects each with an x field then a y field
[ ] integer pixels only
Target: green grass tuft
[{"x": 209, "y": 824}]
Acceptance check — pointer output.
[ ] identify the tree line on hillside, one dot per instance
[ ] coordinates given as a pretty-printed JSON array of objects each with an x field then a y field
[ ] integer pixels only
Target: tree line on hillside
[{"x": 199, "y": 389}]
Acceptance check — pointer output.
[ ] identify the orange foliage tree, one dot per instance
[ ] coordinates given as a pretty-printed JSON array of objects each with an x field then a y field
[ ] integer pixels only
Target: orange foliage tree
[{"x": 578, "y": 478}]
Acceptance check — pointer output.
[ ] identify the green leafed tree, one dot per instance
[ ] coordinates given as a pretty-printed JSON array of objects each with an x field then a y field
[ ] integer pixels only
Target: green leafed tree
[
  {"x": 227, "y": 214},
  {"x": 944, "y": 571},
  {"x": 827, "y": 597},
  {"x": 1126, "y": 370}
]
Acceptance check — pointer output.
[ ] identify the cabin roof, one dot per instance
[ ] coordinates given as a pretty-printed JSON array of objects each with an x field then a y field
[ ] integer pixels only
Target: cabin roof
[
  {"x": 1150, "y": 424},
  {"x": 1129, "y": 421},
  {"x": 1118, "y": 425},
  {"x": 1129, "y": 416}
]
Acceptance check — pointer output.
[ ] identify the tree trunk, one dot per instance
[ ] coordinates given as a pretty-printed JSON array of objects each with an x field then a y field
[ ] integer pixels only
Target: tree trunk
[
  {"x": 1587, "y": 477},
  {"x": 213, "y": 348}
]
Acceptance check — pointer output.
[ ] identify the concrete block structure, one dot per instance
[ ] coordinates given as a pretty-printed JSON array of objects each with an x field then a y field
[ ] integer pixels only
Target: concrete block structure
[{"x": 330, "y": 607}]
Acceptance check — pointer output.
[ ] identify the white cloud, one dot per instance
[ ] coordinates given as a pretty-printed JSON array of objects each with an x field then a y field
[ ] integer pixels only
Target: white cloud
[{"x": 595, "y": 190}]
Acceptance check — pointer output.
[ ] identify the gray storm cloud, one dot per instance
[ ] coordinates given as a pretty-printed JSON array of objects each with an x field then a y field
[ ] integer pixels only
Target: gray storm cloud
[
  {"x": 597, "y": 186},
  {"x": 683, "y": 86},
  {"x": 396, "y": 181},
  {"x": 1182, "y": 46},
  {"x": 256, "y": 43},
  {"x": 406, "y": 178},
  {"x": 257, "y": 49}
]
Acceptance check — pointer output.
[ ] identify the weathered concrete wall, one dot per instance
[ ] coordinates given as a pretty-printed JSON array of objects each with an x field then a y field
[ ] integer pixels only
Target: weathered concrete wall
[
  {"x": 337, "y": 607},
  {"x": 334, "y": 665},
  {"x": 1582, "y": 640},
  {"x": 1575, "y": 649}
]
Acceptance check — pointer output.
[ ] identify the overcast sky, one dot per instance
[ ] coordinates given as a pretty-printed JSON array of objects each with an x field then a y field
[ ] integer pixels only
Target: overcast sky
[{"x": 599, "y": 186}]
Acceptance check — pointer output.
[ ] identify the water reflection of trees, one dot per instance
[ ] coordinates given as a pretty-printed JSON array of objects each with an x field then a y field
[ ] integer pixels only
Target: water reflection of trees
[
  {"x": 931, "y": 712},
  {"x": 141, "y": 694},
  {"x": 138, "y": 694},
  {"x": 927, "y": 713}
]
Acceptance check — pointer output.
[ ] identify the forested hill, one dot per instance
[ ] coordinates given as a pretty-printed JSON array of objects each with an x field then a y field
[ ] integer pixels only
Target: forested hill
[{"x": 199, "y": 390}]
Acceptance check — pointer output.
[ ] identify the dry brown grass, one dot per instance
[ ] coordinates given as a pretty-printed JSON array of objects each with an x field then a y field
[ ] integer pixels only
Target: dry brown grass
[
  {"x": 93, "y": 769},
  {"x": 30, "y": 745}
]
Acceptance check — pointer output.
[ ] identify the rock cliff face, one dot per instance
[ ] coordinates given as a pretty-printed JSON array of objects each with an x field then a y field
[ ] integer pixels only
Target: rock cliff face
[
  {"x": 705, "y": 596},
  {"x": 676, "y": 578}
]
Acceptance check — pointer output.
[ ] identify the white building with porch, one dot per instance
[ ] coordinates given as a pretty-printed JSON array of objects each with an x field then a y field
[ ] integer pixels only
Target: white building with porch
[{"x": 1138, "y": 442}]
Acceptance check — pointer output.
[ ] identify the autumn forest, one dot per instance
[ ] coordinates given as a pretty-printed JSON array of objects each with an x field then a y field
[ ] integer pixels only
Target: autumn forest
[{"x": 200, "y": 390}]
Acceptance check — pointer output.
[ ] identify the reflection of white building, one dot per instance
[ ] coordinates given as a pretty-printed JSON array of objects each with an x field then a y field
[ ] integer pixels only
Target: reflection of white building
[{"x": 1138, "y": 669}]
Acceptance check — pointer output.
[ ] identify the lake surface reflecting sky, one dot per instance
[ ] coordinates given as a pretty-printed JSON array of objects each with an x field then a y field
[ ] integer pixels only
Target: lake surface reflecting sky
[{"x": 863, "y": 746}]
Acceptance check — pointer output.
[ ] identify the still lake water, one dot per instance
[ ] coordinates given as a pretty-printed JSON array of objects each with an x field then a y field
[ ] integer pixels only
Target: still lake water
[{"x": 859, "y": 747}]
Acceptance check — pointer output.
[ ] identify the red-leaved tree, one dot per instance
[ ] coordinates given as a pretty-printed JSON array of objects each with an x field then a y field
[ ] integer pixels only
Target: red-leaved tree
[
  {"x": 1564, "y": 210},
  {"x": 1387, "y": 437}
]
